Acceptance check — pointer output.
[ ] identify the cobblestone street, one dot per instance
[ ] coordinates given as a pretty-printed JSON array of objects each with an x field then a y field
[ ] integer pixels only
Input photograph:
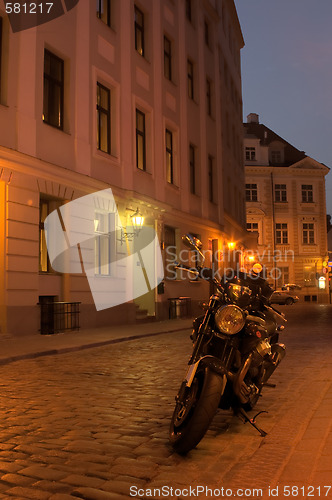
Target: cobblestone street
[{"x": 92, "y": 424}]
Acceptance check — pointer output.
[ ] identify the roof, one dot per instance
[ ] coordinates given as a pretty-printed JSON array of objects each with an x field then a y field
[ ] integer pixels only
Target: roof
[{"x": 266, "y": 136}]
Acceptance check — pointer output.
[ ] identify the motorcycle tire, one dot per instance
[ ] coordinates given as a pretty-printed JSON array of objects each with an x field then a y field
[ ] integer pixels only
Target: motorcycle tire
[{"x": 193, "y": 416}]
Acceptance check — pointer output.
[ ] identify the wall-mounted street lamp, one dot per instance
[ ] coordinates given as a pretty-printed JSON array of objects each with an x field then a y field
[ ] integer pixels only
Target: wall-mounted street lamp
[{"x": 137, "y": 221}]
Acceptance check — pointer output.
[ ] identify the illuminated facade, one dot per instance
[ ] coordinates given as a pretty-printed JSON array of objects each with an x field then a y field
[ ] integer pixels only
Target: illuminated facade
[
  {"x": 143, "y": 97},
  {"x": 285, "y": 200}
]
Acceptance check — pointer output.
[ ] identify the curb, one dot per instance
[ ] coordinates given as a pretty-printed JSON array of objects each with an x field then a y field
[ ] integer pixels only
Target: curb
[{"x": 64, "y": 350}]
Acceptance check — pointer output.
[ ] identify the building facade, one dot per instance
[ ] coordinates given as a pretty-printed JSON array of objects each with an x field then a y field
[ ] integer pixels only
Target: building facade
[
  {"x": 141, "y": 97},
  {"x": 285, "y": 204}
]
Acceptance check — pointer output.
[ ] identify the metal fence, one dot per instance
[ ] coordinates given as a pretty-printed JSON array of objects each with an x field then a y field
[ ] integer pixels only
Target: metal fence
[{"x": 56, "y": 317}]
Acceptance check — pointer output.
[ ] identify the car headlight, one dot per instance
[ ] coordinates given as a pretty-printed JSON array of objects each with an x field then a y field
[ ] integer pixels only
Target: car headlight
[{"x": 229, "y": 319}]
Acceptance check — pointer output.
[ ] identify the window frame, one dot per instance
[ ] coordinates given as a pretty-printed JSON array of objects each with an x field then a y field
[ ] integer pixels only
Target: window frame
[
  {"x": 169, "y": 157},
  {"x": 251, "y": 192},
  {"x": 167, "y": 58},
  {"x": 139, "y": 30},
  {"x": 104, "y": 111},
  {"x": 189, "y": 10},
  {"x": 192, "y": 169},
  {"x": 210, "y": 178},
  {"x": 190, "y": 76},
  {"x": 100, "y": 5},
  {"x": 307, "y": 193},
  {"x": 100, "y": 238},
  {"x": 281, "y": 233},
  {"x": 52, "y": 84},
  {"x": 250, "y": 153},
  {"x": 169, "y": 242},
  {"x": 308, "y": 233},
  {"x": 140, "y": 134},
  {"x": 208, "y": 96},
  {"x": 280, "y": 191}
]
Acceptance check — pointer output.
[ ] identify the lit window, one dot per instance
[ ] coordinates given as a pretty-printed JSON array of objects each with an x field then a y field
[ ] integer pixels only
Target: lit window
[
  {"x": 104, "y": 11},
  {"x": 103, "y": 243},
  {"x": 169, "y": 157},
  {"x": 103, "y": 118},
  {"x": 53, "y": 90},
  {"x": 139, "y": 31}
]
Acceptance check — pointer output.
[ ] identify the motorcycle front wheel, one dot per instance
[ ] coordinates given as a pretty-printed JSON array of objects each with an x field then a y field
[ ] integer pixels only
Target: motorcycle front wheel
[{"x": 194, "y": 413}]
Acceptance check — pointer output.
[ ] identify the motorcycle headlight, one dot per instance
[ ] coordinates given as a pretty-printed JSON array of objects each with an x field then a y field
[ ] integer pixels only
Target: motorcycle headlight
[{"x": 229, "y": 319}]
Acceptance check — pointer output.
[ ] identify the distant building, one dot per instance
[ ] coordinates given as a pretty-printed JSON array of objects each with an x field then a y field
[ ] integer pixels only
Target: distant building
[
  {"x": 285, "y": 200},
  {"x": 142, "y": 97}
]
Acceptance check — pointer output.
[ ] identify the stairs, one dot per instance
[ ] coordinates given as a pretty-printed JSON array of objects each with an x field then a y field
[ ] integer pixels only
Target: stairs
[{"x": 142, "y": 316}]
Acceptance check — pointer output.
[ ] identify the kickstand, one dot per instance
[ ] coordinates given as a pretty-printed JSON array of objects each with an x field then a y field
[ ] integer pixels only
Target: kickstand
[{"x": 252, "y": 421}]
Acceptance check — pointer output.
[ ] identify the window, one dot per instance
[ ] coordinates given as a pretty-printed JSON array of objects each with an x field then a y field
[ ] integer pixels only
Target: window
[
  {"x": 251, "y": 192},
  {"x": 280, "y": 192},
  {"x": 167, "y": 58},
  {"x": 250, "y": 154},
  {"x": 46, "y": 206},
  {"x": 307, "y": 193},
  {"x": 140, "y": 140},
  {"x": 104, "y": 11},
  {"x": 276, "y": 157},
  {"x": 210, "y": 178},
  {"x": 103, "y": 244},
  {"x": 190, "y": 69},
  {"x": 169, "y": 157},
  {"x": 309, "y": 275},
  {"x": 252, "y": 227},
  {"x": 170, "y": 252},
  {"x": 208, "y": 97},
  {"x": 139, "y": 31},
  {"x": 207, "y": 33},
  {"x": 192, "y": 169},
  {"x": 53, "y": 90},
  {"x": 188, "y": 10},
  {"x": 281, "y": 233},
  {"x": 282, "y": 276},
  {"x": 308, "y": 233},
  {"x": 103, "y": 118}
]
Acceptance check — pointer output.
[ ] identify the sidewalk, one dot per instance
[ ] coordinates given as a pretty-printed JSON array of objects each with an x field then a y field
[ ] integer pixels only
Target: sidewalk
[{"x": 33, "y": 346}]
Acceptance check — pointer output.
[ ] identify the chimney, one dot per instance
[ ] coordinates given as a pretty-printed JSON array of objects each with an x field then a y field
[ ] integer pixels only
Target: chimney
[{"x": 253, "y": 118}]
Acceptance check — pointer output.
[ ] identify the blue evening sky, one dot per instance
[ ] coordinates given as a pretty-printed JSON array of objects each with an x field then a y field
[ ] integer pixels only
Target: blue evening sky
[{"x": 287, "y": 72}]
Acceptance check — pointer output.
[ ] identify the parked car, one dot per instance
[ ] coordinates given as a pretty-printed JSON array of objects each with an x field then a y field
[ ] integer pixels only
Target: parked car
[
  {"x": 283, "y": 298},
  {"x": 290, "y": 287}
]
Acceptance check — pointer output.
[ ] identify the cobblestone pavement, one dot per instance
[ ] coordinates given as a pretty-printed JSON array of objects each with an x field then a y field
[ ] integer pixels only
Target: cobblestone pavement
[{"x": 93, "y": 424}]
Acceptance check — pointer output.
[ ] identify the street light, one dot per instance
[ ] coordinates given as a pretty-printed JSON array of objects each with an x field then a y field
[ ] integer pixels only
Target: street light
[{"x": 137, "y": 221}]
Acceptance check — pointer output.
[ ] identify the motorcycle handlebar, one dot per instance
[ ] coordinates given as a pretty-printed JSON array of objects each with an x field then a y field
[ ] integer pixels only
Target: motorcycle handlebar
[{"x": 203, "y": 272}]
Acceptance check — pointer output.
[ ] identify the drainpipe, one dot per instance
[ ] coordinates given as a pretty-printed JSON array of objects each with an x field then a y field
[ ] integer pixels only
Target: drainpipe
[{"x": 273, "y": 227}]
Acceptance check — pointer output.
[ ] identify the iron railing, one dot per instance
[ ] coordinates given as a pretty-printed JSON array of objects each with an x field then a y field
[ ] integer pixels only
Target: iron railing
[{"x": 56, "y": 317}]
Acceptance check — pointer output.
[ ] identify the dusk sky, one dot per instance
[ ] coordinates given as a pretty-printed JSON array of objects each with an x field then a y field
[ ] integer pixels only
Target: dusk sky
[{"x": 287, "y": 72}]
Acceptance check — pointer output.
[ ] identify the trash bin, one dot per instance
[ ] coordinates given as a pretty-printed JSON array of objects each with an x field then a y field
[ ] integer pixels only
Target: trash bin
[{"x": 179, "y": 307}]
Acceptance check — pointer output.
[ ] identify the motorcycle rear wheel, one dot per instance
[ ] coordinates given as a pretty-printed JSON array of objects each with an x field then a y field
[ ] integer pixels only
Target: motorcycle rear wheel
[{"x": 193, "y": 415}]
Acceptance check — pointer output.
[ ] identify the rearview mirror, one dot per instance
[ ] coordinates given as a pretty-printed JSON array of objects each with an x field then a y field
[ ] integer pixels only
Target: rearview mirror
[{"x": 193, "y": 243}]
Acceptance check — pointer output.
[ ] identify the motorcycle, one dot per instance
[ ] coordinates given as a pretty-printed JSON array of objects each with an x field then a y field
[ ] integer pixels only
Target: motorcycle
[{"x": 235, "y": 352}]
